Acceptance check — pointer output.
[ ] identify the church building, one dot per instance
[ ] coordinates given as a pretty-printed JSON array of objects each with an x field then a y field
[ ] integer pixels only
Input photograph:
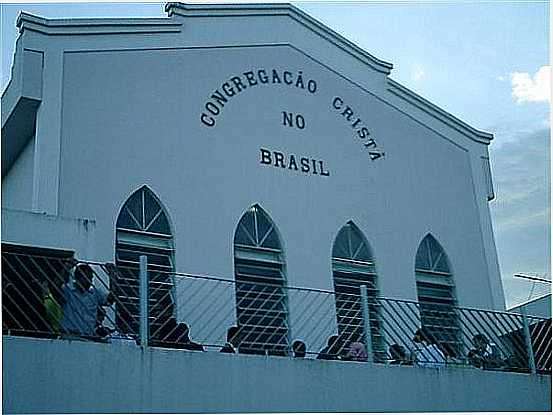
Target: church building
[{"x": 249, "y": 144}]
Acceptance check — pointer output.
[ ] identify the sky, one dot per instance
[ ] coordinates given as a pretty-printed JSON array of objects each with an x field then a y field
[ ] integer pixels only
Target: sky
[{"x": 487, "y": 63}]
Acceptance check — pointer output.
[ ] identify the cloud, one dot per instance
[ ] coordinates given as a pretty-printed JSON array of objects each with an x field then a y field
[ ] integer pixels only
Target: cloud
[
  {"x": 523, "y": 221},
  {"x": 532, "y": 89},
  {"x": 521, "y": 210}
]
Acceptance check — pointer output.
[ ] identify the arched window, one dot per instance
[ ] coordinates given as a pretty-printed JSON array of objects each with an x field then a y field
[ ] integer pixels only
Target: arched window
[
  {"x": 143, "y": 229},
  {"x": 436, "y": 294},
  {"x": 352, "y": 266},
  {"x": 261, "y": 305}
]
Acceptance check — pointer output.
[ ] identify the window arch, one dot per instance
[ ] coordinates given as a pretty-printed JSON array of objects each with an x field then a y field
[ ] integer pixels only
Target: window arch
[
  {"x": 436, "y": 295},
  {"x": 143, "y": 229},
  {"x": 261, "y": 303},
  {"x": 352, "y": 266}
]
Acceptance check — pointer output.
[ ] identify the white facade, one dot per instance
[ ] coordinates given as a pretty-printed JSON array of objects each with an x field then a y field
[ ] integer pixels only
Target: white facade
[
  {"x": 121, "y": 103},
  {"x": 213, "y": 109},
  {"x": 125, "y": 379}
]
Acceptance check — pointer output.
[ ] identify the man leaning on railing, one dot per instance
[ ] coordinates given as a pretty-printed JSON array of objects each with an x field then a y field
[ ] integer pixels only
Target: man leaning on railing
[{"x": 81, "y": 302}]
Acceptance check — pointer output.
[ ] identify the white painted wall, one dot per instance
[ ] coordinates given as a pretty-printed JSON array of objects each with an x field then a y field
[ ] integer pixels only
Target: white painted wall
[
  {"x": 96, "y": 378},
  {"x": 17, "y": 185},
  {"x": 120, "y": 111},
  {"x": 146, "y": 130}
]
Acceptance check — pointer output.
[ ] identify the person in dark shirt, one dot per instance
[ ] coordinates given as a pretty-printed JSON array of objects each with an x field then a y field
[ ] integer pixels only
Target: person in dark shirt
[
  {"x": 182, "y": 339},
  {"x": 398, "y": 355},
  {"x": 175, "y": 336},
  {"x": 332, "y": 349},
  {"x": 233, "y": 340},
  {"x": 299, "y": 349}
]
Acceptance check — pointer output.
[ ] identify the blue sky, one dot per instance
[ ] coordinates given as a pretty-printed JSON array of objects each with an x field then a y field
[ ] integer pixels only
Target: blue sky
[{"x": 486, "y": 63}]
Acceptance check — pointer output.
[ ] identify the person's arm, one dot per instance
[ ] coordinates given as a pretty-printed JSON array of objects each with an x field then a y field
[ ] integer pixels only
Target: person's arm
[{"x": 111, "y": 270}]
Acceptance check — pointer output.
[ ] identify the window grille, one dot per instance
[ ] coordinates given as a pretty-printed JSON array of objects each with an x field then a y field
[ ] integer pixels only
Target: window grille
[
  {"x": 261, "y": 309},
  {"x": 436, "y": 295},
  {"x": 143, "y": 229},
  {"x": 352, "y": 266}
]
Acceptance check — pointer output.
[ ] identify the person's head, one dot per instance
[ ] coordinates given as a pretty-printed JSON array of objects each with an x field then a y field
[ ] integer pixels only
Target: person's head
[
  {"x": 233, "y": 336},
  {"x": 480, "y": 341},
  {"x": 183, "y": 332},
  {"x": 83, "y": 277},
  {"x": 397, "y": 352},
  {"x": 332, "y": 340},
  {"x": 299, "y": 348},
  {"x": 422, "y": 335}
]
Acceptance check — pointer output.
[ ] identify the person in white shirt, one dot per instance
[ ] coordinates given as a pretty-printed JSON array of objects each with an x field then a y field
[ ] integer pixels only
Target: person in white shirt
[
  {"x": 426, "y": 352},
  {"x": 81, "y": 303}
]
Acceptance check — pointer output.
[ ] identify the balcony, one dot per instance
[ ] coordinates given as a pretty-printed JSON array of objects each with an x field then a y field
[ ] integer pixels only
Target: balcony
[{"x": 138, "y": 348}]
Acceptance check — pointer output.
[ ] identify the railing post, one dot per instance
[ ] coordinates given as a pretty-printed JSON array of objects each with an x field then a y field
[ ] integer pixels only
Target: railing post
[
  {"x": 366, "y": 323},
  {"x": 528, "y": 340},
  {"x": 144, "y": 326}
]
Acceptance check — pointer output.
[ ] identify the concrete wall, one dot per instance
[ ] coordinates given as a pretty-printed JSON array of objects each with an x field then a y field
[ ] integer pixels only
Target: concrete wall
[
  {"x": 17, "y": 185},
  {"x": 42, "y": 230},
  {"x": 60, "y": 376}
]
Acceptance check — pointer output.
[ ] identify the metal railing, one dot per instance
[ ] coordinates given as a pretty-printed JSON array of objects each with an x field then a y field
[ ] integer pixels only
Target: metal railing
[{"x": 60, "y": 298}]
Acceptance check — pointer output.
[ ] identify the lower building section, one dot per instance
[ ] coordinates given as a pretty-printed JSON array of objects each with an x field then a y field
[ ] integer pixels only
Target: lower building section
[{"x": 60, "y": 376}]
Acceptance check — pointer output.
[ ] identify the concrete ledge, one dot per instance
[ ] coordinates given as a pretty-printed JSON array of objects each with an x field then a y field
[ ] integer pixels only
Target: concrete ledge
[
  {"x": 55, "y": 376},
  {"x": 43, "y": 230}
]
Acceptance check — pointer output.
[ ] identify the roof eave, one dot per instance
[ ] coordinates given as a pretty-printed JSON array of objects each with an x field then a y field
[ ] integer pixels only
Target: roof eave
[
  {"x": 100, "y": 25},
  {"x": 277, "y": 9},
  {"x": 413, "y": 98}
]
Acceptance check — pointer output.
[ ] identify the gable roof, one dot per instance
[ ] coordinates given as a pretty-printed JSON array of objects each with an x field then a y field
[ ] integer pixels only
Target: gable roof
[{"x": 279, "y": 9}]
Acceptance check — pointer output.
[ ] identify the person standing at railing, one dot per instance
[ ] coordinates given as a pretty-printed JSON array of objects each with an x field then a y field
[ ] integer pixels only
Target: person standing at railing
[
  {"x": 484, "y": 355},
  {"x": 81, "y": 303},
  {"x": 427, "y": 353}
]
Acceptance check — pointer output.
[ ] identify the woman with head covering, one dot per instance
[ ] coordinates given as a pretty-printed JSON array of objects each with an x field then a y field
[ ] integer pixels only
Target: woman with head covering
[{"x": 357, "y": 352}]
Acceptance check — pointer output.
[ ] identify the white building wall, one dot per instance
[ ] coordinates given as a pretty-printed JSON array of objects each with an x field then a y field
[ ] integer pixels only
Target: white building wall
[
  {"x": 146, "y": 130},
  {"x": 126, "y": 378},
  {"x": 17, "y": 185},
  {"x": 120, "y": 111}
]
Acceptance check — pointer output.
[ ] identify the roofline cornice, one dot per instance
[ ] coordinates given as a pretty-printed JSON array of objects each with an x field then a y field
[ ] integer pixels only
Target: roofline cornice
[
  {"x": 527, "y": 302},
  {"x": 26, "y": 21},
  {"x": 438, "y": 113},
  {"x": 279, "y": 9}
]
